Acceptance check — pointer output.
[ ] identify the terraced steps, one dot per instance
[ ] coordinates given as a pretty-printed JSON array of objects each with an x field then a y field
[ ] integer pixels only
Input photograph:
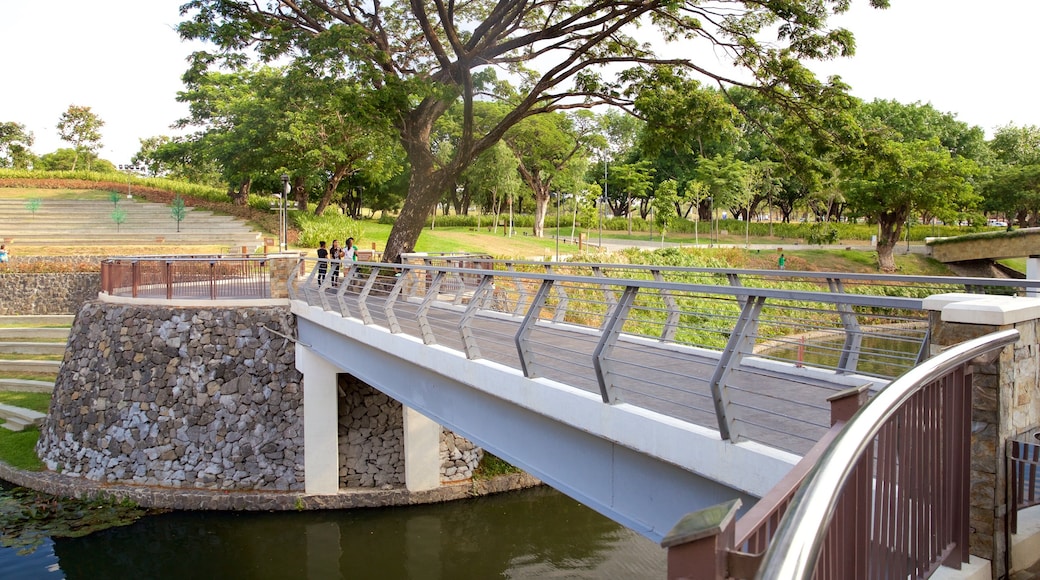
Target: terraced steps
[
  {"x": 32, "y": 335},
  {"x": 78, "y": 223}
]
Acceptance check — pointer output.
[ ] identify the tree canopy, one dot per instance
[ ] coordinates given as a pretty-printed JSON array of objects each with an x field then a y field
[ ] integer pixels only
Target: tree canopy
[
  {"x": 420, "y": 58},
  {"x": 82, "y": 128}
]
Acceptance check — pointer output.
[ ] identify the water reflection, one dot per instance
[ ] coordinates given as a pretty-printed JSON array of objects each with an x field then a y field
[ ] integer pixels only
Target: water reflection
[{"x": 537, "y": 533}]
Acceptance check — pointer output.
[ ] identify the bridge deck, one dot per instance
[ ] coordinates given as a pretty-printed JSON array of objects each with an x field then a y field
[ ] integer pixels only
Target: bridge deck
[{"x": 786, "y": 410}]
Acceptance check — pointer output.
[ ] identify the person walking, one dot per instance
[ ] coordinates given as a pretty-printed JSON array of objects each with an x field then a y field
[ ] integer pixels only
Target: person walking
[
  {"x": 782, "y": 262},
  {"x": 323, "y": 262},
  {"x": 335, "y": 254}
]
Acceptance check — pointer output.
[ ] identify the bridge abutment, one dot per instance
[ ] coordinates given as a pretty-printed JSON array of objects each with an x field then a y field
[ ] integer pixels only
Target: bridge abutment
[{"x": 1005, "y": 403}]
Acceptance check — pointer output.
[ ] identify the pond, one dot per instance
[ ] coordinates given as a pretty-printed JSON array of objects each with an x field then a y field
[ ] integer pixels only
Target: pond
[{"x": 536, "y": 533}]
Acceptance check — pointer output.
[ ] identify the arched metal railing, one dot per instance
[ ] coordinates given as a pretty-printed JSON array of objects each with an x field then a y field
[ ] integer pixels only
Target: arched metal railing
[{"x": 904, "y": 458}]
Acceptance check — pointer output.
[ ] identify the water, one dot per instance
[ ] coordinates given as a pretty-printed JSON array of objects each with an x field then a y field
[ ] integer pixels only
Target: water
[{"x": 536, "y": 533}]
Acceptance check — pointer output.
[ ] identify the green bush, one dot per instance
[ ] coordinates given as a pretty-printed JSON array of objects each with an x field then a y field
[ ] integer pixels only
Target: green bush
[{"x": 327, "y": 227}]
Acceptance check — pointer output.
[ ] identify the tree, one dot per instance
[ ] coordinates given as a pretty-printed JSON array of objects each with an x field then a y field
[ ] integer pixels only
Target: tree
[
  {"x": 82, "y": 128},
  {"x": 1014, "y": 185},
  {"x": 421, "y": 58},
  {"x": 148, "y": 155},
  {"x": 65, "y": 159},
  {"x": 15, "y": 142},
  {"x": 544, "y": 146},
  {"x": 177, "y": 210},
  {"x": 913, "y": 159}
]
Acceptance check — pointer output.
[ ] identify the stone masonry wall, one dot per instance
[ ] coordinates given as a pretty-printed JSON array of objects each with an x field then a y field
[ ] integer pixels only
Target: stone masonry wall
[
  {"x": 54, "y": 293},
  {"x": 1005, "y": 402},
  {"x": 371, "y": 441},
  {"x": 371, "y": 436},
  {"x": 181, "y": 397}
]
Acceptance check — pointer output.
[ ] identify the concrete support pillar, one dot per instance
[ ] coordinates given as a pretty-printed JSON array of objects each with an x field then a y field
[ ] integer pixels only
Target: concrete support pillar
[
  {"x": 422, "y": 448},
  {"x": 1032, "y": 273},
  {"x": 320, "y": 423},
  {"x": 1005, "y": 403}
]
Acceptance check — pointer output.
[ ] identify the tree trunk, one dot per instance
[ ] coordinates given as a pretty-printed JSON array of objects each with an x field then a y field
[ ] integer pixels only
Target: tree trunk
[
  {"x": 541, "y": 205},
  {"x": 300, "y": 188},
  {"x": 330, "y": 188},
  {"x": 425, "y": 187},
  {"x": 891, "y": 226},
  {"x": 241, "y": 196}
]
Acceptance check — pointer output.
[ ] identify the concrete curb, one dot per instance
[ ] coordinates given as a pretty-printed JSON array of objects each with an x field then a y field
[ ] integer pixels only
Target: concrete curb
[{"x": 60, "y": 485}]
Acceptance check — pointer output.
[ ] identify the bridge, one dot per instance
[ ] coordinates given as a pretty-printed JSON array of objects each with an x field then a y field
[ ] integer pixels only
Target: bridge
[
  {"x": 1020, "y": 243},
  {"x": 645, "y": 392}
]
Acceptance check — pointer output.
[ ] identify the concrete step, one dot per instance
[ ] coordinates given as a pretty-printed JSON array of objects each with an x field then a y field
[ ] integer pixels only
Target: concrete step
[
  {"x": 26, "y": 386},
  {"x": 17, "y": 418},
  {"x": 52, "y": 334},
  {"x": 29, "y": 366},
  {"x": 51, "y": 348}
]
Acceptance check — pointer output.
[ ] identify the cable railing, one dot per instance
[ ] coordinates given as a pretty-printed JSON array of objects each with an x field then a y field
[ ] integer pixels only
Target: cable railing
[
  {"x": 705, "y": 353},
  {"x": 889, "y": 497},
  {"x": 186, "y": 277}
]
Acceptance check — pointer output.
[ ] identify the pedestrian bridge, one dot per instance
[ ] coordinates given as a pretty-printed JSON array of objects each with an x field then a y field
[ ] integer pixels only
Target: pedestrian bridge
[
  {"x": 644, "y": 392},
  {"x": 993, "y": 245},
  {"x": 658, "y": 395}
]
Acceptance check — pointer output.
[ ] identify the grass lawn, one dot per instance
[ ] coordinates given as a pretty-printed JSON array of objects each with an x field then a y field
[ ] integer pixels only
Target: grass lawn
[
  {"x": 18, "y": 449},
  {"x": 27, "y": 193},
  {"x": 35, "y": 401},
  {"x": 23, "y": 356}
]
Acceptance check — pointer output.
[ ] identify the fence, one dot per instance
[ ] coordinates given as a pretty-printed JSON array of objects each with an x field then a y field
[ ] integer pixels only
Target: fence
[
  {"x": 902, "y": 464},
  {"x": 186, "y": 277}
]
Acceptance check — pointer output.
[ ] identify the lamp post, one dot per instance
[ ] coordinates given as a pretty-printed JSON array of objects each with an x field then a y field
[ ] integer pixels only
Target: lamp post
[
  {"x": 599, "y": 211},
  {"x": 129, "y": 169},
  {"x": 711, "y": 221},
  {"x": 557, "y": 226},
  {"x": 282, "y": 214}
]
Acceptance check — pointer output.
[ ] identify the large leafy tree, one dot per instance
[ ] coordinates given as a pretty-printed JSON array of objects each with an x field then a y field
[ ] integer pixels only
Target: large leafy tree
[
  {"x": 15, "y": 144},
  {"x": 422, "y": 57},
  {"x": 1014, "y": 186},
  {"x": 914, "y": 160},
  {"x": 544, "y": 146},
  {"x": 82, "y": 128}
]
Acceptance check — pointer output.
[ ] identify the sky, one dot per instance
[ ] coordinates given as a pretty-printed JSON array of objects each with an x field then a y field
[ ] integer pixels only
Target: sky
[{"x": 124, "y": 60}]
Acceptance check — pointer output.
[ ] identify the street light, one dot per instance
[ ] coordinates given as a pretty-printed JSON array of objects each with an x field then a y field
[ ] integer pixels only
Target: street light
[
  {"x": 557, "y": 226},
  {"x": 129, "y": 169},
  {"x": 284, "y": 210},
  {"x": 711, "y": 221},
  {"x": 599, "y": 211}
]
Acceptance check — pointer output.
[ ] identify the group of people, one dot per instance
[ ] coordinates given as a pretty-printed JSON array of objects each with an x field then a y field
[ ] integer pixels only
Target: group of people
[{"x": 337, "y": 255}]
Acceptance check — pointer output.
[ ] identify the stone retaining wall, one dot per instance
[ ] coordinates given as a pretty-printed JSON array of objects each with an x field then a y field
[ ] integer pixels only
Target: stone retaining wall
[
  {"x": 182, "y": 397},
  {"x": 210, "y": 399},
  {"x": 52, "y": 293},
  {"x": 371, "y": 441}
]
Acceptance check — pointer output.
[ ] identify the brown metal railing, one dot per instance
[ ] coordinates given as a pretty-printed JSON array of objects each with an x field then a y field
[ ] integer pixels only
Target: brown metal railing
[
  {"x": 886, "y": 498},
  {"x": 911, "y": 516},
  {"x": 1024, "y": 466},
  {"x": 187, "y": 277}
]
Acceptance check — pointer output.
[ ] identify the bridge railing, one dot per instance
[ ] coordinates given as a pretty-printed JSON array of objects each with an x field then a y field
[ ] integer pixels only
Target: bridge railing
[
  {"x": 735, "y": 328},
  {"x": 186, "y": 277},
  {"x": 902, "y": 466}
]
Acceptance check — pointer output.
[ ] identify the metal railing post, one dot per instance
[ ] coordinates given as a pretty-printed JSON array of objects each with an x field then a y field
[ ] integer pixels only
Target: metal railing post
[
  {"x": 523, "y": 335},
  {"x": 611, "y": 332},
  {"x": 740, "y": 342},
  {"x": 469, "y": 343}
]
